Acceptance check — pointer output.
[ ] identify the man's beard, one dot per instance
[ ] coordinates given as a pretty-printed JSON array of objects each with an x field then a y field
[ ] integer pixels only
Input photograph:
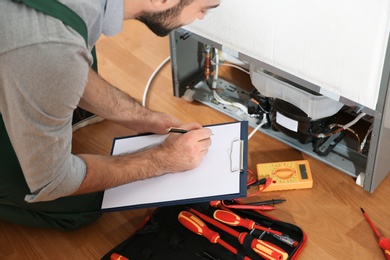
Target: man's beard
[
  {"x": 157, "y": 27},
  {"x": 162, "y": 23}
]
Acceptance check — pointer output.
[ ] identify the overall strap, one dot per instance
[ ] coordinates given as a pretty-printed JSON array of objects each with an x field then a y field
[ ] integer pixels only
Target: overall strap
[{"x": 65, "y": 14}]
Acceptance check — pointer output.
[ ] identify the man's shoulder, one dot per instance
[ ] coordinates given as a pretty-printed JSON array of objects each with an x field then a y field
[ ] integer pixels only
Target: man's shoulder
[{"x": 22, "y": 26}]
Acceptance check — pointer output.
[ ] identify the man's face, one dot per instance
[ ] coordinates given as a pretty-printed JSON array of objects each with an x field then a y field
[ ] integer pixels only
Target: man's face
[{"x": 162, "y": 23}]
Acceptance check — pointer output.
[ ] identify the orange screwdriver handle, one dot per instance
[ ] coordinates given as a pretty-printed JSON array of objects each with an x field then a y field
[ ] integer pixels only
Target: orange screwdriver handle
[
  {"x": 268, "y": 251},
  {"x": 233, "y": 219},
  {"x": 197, "y": 226},
  {"x": 384, "y": 243},
  {"x": 264, "y": 249}
]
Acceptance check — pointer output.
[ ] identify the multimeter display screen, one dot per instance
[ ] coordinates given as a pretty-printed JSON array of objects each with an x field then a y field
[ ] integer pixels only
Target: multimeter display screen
[{"x": 302, "y": 168}]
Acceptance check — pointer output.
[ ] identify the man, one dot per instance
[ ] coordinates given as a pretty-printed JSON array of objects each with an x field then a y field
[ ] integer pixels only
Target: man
[{"x": 44, "y": 76}]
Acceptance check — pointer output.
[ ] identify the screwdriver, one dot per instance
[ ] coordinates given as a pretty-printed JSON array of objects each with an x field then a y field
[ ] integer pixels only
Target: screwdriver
[
  {"x": 233, "y": 219},
  {"x": 384, "y": 243},
  {"x": 261, "y": 247},
  {"x": 197, "y": 226}
]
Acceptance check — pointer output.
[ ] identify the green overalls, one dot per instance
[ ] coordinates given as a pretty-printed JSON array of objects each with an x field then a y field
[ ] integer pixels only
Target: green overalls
[{"x": 65, "y": 213}]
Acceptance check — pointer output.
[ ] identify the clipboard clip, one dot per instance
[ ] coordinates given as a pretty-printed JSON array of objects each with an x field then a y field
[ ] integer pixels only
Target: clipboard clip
[{"x": 237, "y": 155}]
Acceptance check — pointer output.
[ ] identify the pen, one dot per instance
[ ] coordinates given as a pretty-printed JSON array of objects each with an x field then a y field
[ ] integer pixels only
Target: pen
[{"x": 176, "y": 130}]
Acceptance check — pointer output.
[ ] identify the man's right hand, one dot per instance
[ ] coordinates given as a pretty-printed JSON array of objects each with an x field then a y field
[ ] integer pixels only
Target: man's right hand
[{"x": 182, "y": 152}]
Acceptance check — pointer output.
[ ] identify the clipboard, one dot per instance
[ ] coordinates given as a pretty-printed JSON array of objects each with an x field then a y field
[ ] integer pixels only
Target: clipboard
[{"x": 221, "y": 175}]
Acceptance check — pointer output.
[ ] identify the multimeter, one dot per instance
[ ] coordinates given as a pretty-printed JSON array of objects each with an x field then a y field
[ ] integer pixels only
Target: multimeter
[{"x": 287, "y": 175}]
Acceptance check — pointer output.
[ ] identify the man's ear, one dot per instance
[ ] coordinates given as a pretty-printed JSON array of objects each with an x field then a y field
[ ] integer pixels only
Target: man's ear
[{"x": 162, "y": 5}]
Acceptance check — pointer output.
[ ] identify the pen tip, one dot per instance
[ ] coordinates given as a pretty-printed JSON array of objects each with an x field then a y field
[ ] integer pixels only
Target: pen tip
[{"x": 362, "y": 210}]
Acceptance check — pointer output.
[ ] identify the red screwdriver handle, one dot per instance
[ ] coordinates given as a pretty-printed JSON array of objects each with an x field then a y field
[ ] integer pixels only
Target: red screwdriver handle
[
  {"x": 233, "y": 219},
  {"x": 384, "y": 243},
  {"x": 197, "y": 226}
]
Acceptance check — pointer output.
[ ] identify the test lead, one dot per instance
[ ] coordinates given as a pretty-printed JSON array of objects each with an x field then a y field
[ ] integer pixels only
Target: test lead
[
  {"x": 267, "y": 202},
  {"x": 258, "y": 182}
]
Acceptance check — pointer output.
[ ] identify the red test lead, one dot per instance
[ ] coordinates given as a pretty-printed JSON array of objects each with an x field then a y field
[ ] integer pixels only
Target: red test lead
[
  {"x": 245, "y": 206},
  {"x": 252, "y": 207}
]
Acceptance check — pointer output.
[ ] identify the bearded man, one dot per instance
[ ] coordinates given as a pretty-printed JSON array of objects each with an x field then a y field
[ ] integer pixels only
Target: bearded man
[{"x": 45, "y": 74}]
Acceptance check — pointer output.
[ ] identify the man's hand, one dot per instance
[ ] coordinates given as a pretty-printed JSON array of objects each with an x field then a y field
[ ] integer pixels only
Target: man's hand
[{"x": 182, "y": 152}]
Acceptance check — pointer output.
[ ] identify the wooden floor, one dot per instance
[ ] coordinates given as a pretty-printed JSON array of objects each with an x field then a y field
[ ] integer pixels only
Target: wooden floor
[{"x": 329, "y": 212}]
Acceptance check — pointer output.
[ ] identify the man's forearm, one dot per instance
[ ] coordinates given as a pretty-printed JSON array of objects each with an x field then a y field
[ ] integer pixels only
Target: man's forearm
[
  {"x": 111, "y": 103},
  {"x": 103, "y": 99},
  {"x": 105, "y": 172}
]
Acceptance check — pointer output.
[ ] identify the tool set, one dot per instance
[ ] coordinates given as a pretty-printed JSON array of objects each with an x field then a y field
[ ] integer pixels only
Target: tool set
[{"x": 212, "y": 231}]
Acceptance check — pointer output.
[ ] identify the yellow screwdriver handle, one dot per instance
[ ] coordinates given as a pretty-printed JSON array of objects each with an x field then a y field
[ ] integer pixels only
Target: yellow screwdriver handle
[
  {"x": 268, "y": 251},
  {"x": 197, "y": 226}
]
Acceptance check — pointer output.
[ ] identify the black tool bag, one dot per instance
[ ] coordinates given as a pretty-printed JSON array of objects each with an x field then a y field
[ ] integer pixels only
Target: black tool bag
[{"x": 162, "y": 236}]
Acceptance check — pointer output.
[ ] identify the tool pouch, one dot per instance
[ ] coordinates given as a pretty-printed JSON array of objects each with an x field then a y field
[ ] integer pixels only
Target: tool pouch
[{"x": 162, "y": 236}]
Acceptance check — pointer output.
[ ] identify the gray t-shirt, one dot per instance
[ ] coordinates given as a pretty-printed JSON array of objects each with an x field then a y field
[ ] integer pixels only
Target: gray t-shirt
[{"x": 43, "y": 72}]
